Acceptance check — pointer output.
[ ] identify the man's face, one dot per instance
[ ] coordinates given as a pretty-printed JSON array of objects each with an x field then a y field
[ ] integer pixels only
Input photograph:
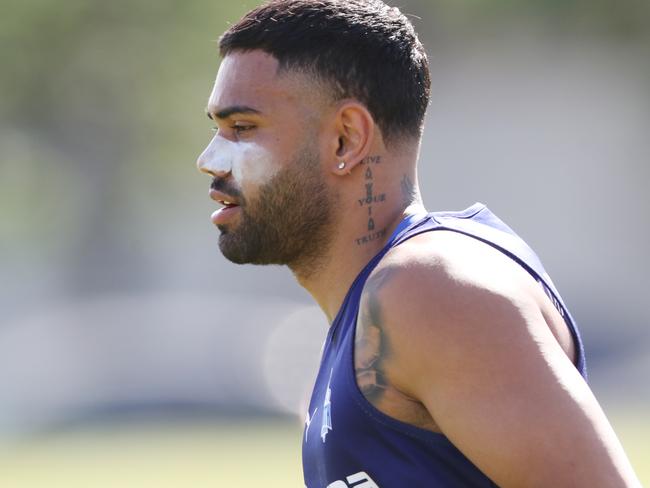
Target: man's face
[{"x": 265, "y": 162}]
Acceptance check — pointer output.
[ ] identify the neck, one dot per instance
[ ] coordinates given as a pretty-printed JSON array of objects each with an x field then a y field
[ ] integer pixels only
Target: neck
[{"x": 374, "y": 199}]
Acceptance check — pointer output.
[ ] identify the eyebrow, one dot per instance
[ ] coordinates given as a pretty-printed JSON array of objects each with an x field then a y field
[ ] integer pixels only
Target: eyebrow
[{"x": 230, "y": 111}]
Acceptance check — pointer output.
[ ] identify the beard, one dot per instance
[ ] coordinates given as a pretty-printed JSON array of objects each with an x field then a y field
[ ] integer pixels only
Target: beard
[{"x": 289, "y": 221}]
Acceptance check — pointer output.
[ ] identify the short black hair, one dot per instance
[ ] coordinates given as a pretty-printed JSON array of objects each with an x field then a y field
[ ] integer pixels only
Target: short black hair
[{"x": 361, "y": 49}]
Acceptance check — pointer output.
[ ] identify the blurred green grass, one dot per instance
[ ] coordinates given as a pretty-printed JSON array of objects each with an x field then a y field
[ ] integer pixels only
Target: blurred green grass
[
  {"x": 242, "y": 454},
  {"x": 633, "y": 429},
  {"x": 215, "y": 454}
]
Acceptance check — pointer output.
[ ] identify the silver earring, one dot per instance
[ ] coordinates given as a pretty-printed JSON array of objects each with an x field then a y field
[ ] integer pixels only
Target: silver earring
[{"x": 342, "y": 165}]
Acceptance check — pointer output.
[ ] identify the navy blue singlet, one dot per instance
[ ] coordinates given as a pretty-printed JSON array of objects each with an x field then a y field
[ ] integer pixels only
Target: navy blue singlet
[{"x": 347, "y": 442}]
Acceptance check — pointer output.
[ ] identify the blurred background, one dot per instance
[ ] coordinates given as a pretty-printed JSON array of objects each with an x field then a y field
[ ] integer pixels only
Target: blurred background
[{"x": 133, "y": 354}]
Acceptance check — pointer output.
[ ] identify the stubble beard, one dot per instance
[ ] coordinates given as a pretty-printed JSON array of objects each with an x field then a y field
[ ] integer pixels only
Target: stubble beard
[{"x": 288, "y": 223}]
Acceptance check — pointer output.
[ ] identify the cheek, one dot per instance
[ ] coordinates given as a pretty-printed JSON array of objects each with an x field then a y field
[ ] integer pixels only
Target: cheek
[{"x": 253, "y": 164}]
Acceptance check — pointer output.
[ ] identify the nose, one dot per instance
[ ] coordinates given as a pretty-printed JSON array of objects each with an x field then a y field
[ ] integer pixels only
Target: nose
[{"x": 215, "y": 160}]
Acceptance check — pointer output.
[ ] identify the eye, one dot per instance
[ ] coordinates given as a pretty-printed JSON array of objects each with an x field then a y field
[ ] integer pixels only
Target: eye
[{"x": 239, "y": 127}]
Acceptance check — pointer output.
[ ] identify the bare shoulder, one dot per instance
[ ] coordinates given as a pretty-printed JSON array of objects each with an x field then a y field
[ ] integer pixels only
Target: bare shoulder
[
  {"x": 413, "y": 303},
  {"x": 437, "y": 278},
  {"x": 447, "y": 263},
  {"x": 428, "y": 283},
  {"x": 459, "y": 329}
]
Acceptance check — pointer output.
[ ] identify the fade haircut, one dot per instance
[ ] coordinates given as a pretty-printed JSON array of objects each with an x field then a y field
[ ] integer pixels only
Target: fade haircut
[{"x": 360, "y": 49}]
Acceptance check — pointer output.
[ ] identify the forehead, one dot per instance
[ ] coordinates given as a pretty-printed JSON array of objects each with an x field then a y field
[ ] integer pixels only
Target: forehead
[{"x": 251, "y": 79}]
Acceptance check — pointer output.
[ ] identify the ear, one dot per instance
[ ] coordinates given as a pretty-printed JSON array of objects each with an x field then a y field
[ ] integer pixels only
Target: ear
[{"x": 354, "y": 129}]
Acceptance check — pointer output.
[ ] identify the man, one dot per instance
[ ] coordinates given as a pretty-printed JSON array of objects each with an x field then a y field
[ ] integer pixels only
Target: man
[{"x": 451, "y": 359}]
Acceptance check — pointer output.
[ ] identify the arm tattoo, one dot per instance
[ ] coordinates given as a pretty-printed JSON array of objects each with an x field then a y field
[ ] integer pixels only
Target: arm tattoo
[
  {"x": 373, "y": 350},
  {"x": 371, "y": 345}
]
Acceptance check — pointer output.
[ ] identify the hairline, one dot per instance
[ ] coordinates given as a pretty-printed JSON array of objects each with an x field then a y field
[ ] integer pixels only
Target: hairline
[{"x": 391, "y": 138}]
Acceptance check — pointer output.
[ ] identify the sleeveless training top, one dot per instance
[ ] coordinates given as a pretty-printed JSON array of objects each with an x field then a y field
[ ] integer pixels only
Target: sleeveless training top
[{"x": 347, "y": 442}]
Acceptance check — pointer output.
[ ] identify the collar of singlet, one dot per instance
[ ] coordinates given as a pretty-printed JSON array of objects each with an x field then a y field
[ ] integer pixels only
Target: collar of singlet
[{"x": 406, "y": 223}]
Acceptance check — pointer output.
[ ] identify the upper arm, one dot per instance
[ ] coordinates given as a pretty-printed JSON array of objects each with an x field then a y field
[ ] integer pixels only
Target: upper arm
[{"x": 477, "y": 353}]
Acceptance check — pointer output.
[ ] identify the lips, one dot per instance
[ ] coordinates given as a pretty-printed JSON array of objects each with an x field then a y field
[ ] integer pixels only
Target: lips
[
  {"x": 230, "y": 207},
  {"x": 223, "y": 199}
]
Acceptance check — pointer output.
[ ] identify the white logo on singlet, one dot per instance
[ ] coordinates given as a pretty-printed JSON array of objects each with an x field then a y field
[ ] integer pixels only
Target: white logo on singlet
[
  {"x": 326, "y": 425},
  {"x": 358, "y": 480},
  {"x": 308, "y": 421}
]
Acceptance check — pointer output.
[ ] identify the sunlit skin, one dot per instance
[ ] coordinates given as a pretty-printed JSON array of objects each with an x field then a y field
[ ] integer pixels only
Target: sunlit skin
[
  {"x": 452, "y": 336},
  {"x": 257, "y": 107},
  {"x": 288, "y": 108}
]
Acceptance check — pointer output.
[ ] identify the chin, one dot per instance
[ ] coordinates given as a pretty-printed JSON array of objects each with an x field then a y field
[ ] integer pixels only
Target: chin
[
  {"x": 231, "y": 249},
  {"x": 238, "y": 251}
]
